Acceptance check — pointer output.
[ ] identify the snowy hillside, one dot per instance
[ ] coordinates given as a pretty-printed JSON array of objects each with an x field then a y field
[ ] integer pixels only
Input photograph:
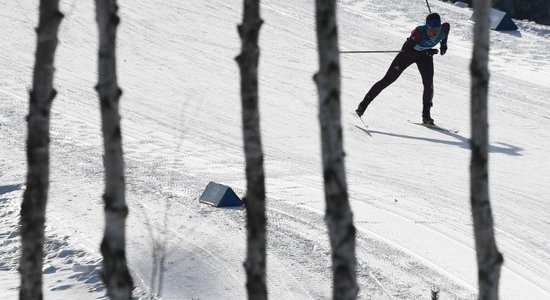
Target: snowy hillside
[{"x": 409, "y": 186}]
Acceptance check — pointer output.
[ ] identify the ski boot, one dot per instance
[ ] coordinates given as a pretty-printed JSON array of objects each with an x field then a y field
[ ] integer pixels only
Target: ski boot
[
  {"x": 360, "y": 110},
  {"x": 363, "y": 106},
  {"x": 426, "y": 118}
]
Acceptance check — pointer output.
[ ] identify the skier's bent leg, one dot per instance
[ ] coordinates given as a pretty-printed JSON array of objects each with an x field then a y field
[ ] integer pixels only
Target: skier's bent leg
[{"x": 399, "y": 64}]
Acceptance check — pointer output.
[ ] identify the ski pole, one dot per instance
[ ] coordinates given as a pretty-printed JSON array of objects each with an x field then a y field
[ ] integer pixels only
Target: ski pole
[
  {"x": 429, "y": 9},
  {"x": 384, "y": 51}
]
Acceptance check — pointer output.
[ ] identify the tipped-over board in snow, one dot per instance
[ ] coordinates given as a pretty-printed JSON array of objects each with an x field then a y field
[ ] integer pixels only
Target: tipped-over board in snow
[{"x": 220, "y": 195}]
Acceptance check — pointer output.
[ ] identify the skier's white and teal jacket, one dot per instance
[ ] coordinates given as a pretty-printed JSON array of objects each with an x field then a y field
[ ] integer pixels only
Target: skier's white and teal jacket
[{"x": 420, "y": 41}]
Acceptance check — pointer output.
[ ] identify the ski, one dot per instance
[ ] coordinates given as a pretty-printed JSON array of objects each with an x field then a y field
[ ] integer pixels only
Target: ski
[
  {"x": 436, "y": 127},
  {"x": 364, "y": 124},
  {"x": 361, "y": 119}
]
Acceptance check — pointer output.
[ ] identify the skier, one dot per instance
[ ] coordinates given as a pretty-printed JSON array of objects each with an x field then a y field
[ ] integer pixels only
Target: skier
[{"x": 417, "y": 49}]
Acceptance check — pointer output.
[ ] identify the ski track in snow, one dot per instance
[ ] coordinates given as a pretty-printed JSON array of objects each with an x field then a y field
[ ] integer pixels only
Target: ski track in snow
[{"x": 181, "y": 128}]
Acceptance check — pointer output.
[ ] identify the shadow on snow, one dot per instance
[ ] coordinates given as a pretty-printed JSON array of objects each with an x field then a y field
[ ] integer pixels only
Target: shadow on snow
[{"x": 461, "y": 141}]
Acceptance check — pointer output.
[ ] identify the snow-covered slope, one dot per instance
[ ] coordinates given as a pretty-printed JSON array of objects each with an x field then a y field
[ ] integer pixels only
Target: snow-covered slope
[{"x": 181, "y": 129}]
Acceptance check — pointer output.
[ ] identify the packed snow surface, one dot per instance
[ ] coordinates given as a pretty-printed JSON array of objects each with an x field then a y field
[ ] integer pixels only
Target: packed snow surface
[{"x": 181, "y": 126}]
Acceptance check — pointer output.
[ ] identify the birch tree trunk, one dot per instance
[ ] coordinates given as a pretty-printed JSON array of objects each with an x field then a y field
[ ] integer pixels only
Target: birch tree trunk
[
  {"x": 255, "y": 264},
  {"x": 33, "y": 208},
  {"x": 489, "y": 259},
  {"x": 115, "y": 270},
  {"x": 338, "y": 216}
]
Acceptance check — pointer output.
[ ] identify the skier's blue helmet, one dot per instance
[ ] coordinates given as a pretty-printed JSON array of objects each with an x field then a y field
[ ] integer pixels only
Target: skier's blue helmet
[{"x": 433, "y": 20}]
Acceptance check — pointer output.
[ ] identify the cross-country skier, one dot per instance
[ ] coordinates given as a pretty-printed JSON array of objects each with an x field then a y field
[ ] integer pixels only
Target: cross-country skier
[{"x": 417, "y": 49}]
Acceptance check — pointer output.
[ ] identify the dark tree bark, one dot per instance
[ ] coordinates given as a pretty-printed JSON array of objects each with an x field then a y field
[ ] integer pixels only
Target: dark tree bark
[
  {"x": 33, "y": 208},
  {"x": 338, "y": 216},
  {"x": 113, "y": 247},
  {"x": 489, "y": 259},
  {"x": 255, "y": 264}
]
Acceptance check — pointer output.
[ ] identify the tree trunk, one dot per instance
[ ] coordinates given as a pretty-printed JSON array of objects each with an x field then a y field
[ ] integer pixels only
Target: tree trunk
[
  {"x": 338, "y": 216},
  {"x": 489, "y": 259},
  {"x": 33, "y": 208},
  {"x": 255, "y": 264},
  {"x": 115, "y": 270}
]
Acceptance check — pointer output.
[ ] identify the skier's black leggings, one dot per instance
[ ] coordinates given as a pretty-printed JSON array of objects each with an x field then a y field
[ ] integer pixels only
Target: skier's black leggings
[{"x": 400, "y": 63}]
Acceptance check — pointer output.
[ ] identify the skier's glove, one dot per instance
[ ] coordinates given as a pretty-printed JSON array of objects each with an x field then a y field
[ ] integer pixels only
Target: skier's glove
[
  {"x": 431, "y": 52},
  {"x": 446, "y": 27},
  {"x": 443, "y": 48}
]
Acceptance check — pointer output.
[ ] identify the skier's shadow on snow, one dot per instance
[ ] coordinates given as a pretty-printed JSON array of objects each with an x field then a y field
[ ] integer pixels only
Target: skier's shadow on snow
[{"x": 461, "y": 141}]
